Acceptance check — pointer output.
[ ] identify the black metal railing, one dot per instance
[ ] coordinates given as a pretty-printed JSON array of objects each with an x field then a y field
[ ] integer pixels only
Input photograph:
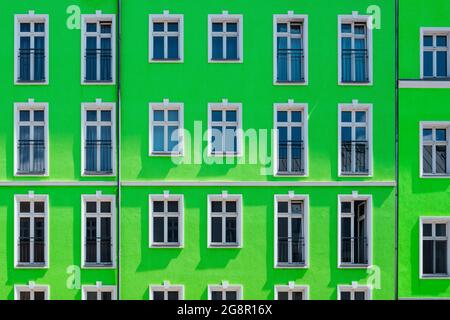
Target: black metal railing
[
  {"x": 93, "y": 147},
  {"x": 360, "y": 150},
  {"x": 360, "y": 250},
  {"x": 355, "y": 65},
  {"x": 25, "y": 71},
  {"x": 291, "y": 157},
  {"x": 25, "y": 248},
  {"x": 290, "y": 65},
  {"x": 26, "y": 148},
  {"x": 104, "y": 58},
  {"x": 293, "y": 247},
  {"x": 105, "y": 251}
]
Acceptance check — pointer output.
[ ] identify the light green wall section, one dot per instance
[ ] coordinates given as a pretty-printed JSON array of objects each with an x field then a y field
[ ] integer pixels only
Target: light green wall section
[
  {"x": 196, "y": 266},
  {"x": 197, "y": 83},
  {"x": 64, "y": 240}
]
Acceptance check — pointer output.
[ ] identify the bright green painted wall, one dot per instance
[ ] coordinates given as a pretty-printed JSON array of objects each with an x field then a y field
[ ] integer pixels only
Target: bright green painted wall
[
  {"x": 196, "y": 266},
  {"x": 418, "y": 197}
]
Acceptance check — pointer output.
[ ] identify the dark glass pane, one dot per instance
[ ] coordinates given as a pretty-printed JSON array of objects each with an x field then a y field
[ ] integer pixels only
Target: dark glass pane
[
  {"x": 230, "y": 295},
  {"x": 25, "y": 295},
  {"x": 91, "y": 115},
  {"x": 297, "y": 295},
  {"x": 105, "y": 115},
  {"x": 282, "y": 27},
  {"x": 38, "y": 115},
  {"x": 346, "y": 28},
  {"x": 158, "y": 206},
  {"x": 216, "y": 295},
  {"x": 360, "y": 295},
  {"x": 172, "y": 295},
  {"x": 91, "y": 207},
  {"x": 441, "y": 257},
  {"x": 216, "y": 229},
  {"x": 232, "y": 48},
  {"x": 231, "y": 206},
  {"x": 283, "y": 240},
  {"x": 172, "y": 50},
  {"x": 39, "y": 240},
  {"x": 39, "y": 295},
  {"x": 91, "y": 240},
  {"x": 216, "y": 115},
  {"x": 24, "y": 115},
  {"x": 105, "y": 241},
  {"x": 24, "y": 240},
  {"x": 441, "y": 159},
  {"x": 158, "y": 26},
  {"x": 172, "y": 206},
  {"x": 283, "y": 296},
  {"x": 91, "y": 27},
  {"x": 427, "y": 229},
  {"x": 282, "y": 116},
  {"x": 428, "y": 64},
  {"x": 441, "y": 230},
  {"x": 25, "y": 207},
  {"x": 91, "y": 295},
  {"x": 283, "y": 206},
  {"x": 428, "y": 257},
  {"x": 428, "y": 41},
  {"x": 158, "y": 47},
  {"x": 158, "y": 295},
  {"x": 231, "y": 115},
  {"x": 172, "y": 26},
  {"x": 231, "y": 234},
  {"x": 106, "y": 295},
  {"x": 216, "y": 206},
  {"x": 441, "y": 63},
  {"x": 345, "y": 295},
  {"x": 105, "y": 28},
  {"x": 172, "y": 229},
  {"x": 427, "y": 159},
  {"x": 158, "y": 229},
  {"x": 441, "y": 41},
  {"x": 105, "y": 207},
  {"x": 232, "y": 27},
  {"x": 217, "y": 27},
  {"x": 296, "y": 116},
  {"x": 39, "y": 207},
  {"x": 217, "y": 48}
]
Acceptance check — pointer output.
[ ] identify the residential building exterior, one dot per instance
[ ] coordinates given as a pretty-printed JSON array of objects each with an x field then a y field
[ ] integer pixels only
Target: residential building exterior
[{"x": 165, "y": 151}]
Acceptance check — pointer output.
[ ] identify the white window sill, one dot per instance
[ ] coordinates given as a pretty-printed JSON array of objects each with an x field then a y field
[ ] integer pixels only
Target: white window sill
[
  {"x": 166, "y": 246},
  {"x": 435, "y": 277},
  {"x": 224, "y": 246},
  {"x": 354, "y": 266},
  {"x": 435, "y": 176},
  {"x": 291, "y": 266},
  {"x": 424, "y": 84}
]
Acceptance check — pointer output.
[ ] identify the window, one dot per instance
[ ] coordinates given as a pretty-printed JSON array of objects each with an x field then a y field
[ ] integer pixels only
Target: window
[
  {"x": 31, "y": 139},
  {"x": 166, "y": 129},
  {"x": 435, "y": 53},
  {"x": 166, "y": 221},
  {"x": 225, "y": 38},
  {"x": 225, "y": 126},
  {"x": 355, "y": 146},
  {"x": 354, "y": 292},
  {"x": 291, "y": 231},
  {"x": 99, "y": 292},
  {"x": 98, "y": 49},
  {"x": 291, "y": 122},
  {"x": 355, "y": 44},
  {"x": 225, "y": 216},
  {"x": 434, "y": 247},
  {"x": 291, "y": 54},
  {"x": 31, "y": 231},
  {"x": 99, "y": 233},
  {"x": 98, "y": 138},
  {"x": 355, "y": 227},
  {"x": 167, "y": 292},
  {"x": 166, "y": 38},
  {"x": 31, "y": 292},
  {"x": 225, "y": 292},
  {"x": 291, "y": 292},
  {"x": 435, "y": 148},
  {"x": 31, "y": 49}
]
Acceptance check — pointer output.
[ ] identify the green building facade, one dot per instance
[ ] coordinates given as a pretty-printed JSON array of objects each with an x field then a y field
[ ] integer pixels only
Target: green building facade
[{"x": 156, "y": 150}]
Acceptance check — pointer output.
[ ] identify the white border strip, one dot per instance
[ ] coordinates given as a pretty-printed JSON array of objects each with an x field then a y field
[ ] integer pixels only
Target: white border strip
[
  {"x": 258, "y": 184},
  {"x": 58, "y": 183},
  {"x": 424, "y": 84}
]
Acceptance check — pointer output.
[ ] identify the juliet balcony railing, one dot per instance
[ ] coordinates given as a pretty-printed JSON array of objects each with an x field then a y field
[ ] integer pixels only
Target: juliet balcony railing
[
  {"x": 98, "y": 157},
  {"x": 291, "y": 158},
  {"x": 25, "y": 247},
  {"x": 105, "y": 251},
  {"x": 355, "y": 66},
  {"x": 93, "y": 58},
  {"x": 355, "y": 157},
  {"x": 360, "y": 250},
  {"x": 31, "y": 156},
  {"x": 291, "y": 251},
  {"x": 290, "y": 66},
  {"x": 26, "y": 57}
]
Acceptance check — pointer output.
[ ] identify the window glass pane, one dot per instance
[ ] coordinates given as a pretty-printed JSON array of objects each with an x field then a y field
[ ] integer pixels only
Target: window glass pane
[
  {"x": 158, "y": 229},
  {"x": 216, "y": 229},
  {"x": 296, "y": 28},
  {"x": 441, "y": 41},
  {"x": 427, "y": 159},
  {"x": 158, "y": 295},
  {"x": 346, "y": 134},
  {"x": 216, "y": 206},
  {"x": 427, "y": 135},
  {"x": 231, "y": 206},
  {"x": 39, "y": 115},
  {"x": 173, "y": 136},
  {"x": 283, "y": 296},
  {"x": 346, "y": 207},
  {"x": 91, "y": 295},
  {"x": 230, "y": 139},
  {"x": 91, "y": 207},
  {"x": 158, "y": 139},
  {"x": 282, "y": 207},
  {"x": 346, "y": 116},
  {"x": 282, "y": 27},
  {"x": 216, "y": 115},
  {"x": 232, "y": 27},
  {"x": 296, "y": 116},
  {"x": 428, "y": 64},
  {"x": 105, "y": 28},
  {"x": 158, "y": 115},
  {"x": 231, "y": 115},
  {"x": 346, "y": 28},
  {"x": 172, "y": 206},
  {"x": 158, "y": 26},
  {"x": 173, "y": 115},
  {"x": 172, "y": 295},
  {"x": 24, "y": 115},
  {"x": 345, "y": 295},
  {"x": 158, "y": 206},
  {"x": 428, "y": 257},
  {"x": 91, "y": 27},
  {"x": 105, "y": 207},
  {"x": 441, "y": 65},
  {"x": 297, "y": 208},
  {"x": 216, "y": 139},
  {"x": 360, "y": 133},
  {"x": 230, "y": 229},
  {"x": 428, "y": 41},
  {"x": 217, "y": 27},
  {"x": 360, "y": 295},
  {"x": 231, "y": 295},
  {"x": 217, "y": 48},
  {"x": 172, "y": 51},
  {"x": 24, "y": 207},
  {"x": 158, "y": 47},
  {"x": 441, "y": 159},
  {"x": 216, "y": 295},
  {"x": 360, "y": 116},
  {"x": 441, "y": 135},
  {"x": 297, "y": 295},
  {"x": 25, "y": 27},
  {"x": 426, "y": 229},
  {"x": 360, "y": 29},
  {"x": 232, "y": 48},
  {"x": 441, "y": 230},
  {"x": 282, "y": 116},
  {"x": 39, "y": 207},
  {"x": 172, "y": 229},
  {"x": 105, "y": 115},
  {"x": 91, "y": 115},
  {"x": 106, "y": 295},
  {"x": 441, "y": 257},
  {"x": 172, "y": 26}
]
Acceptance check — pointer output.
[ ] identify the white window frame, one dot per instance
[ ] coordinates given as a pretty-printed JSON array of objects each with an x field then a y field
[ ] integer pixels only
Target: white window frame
[
  {"x": 165, "y": 18},
  {"x": 98, "y": 106},
  {"x": 434, "y": 125},
  {"x": 98, "y": 288},
  {"x": 166, "y": 287},
  {"x": 224, "y": 18},
  {"x": 291, "y": 106},
  {"x": 424, "y": 31},
  {"x": 31, "y": 106},
  {"x": 239, "y": 218},
  {"x": 96, "y": 18},
  {"x": 290, "y": 289},
  {"x": 354, "y": 107},
  {"x": 289, "y": 198},
  {"x": 31, "y": 17},
  {"x": 369, "y": 228},
  {"x": 180, "y": 215},
  {"x": 433, "y": 220},
  {"x": 98, "y": 197},
  {"x": 225, "y": 106},
  {"x": 224, "y": 287},
  {"x": 288, "y": 18},
  {"x": 355, "y": 288},
  {"x": 166, "y": 106},
  {"x": 356, "y": 18},
  {"x": 31, "y": 197},
  {"x": 32, "y": 288}
]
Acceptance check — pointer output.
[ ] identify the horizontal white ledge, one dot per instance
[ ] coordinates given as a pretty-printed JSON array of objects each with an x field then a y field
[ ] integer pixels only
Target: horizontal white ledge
[
  {"x": 57, "y": 183},
  {"x": 259, "y": 183},
  {"x": 425, "y": 84}
]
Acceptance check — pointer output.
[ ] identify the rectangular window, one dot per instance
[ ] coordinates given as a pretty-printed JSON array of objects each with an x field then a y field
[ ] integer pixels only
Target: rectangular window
[
  {"x": 291, "y": 54},
  {"x": 98, "y": 139},
  {"x": 166, "y": 221},
  {"x": 224, "y": 127},
  {"x": 291, "y": 139},
  {"x": 31, "y": 292},
  {"x": 167, "y": 292},
  {"x": 98, "y": 49},
  {"x": 355, "y": 56},
  {"x": 291, "y": 292},
  {"x": 435, "y": 53},
  {"x": 31, "y": 139},
  {"x": 31, "y": 229},
  {"x": 434, "y": 247},
  {"x": 435, "y": 139},
  {"x": 31, "y": 49},
  {"x": 99, "y": 292},
  {"x": 166, "y": 38},
  {"x": 291, "y": 231},
  {"x": 354, "y": 231},
  {"x": 355, "y": 131},
  {"x": 166, "y": 129},
  {"x": 224, "y": 220},
  {"x": 225, "y": 38},
  {"x": 99, "y": 231},
  {"x": 354, "y": 292},
  {"x": 225, "y": 292}
]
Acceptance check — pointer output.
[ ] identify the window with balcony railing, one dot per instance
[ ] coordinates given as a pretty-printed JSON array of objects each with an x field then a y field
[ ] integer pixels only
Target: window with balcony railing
[{"x": 435, "y": 149}]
